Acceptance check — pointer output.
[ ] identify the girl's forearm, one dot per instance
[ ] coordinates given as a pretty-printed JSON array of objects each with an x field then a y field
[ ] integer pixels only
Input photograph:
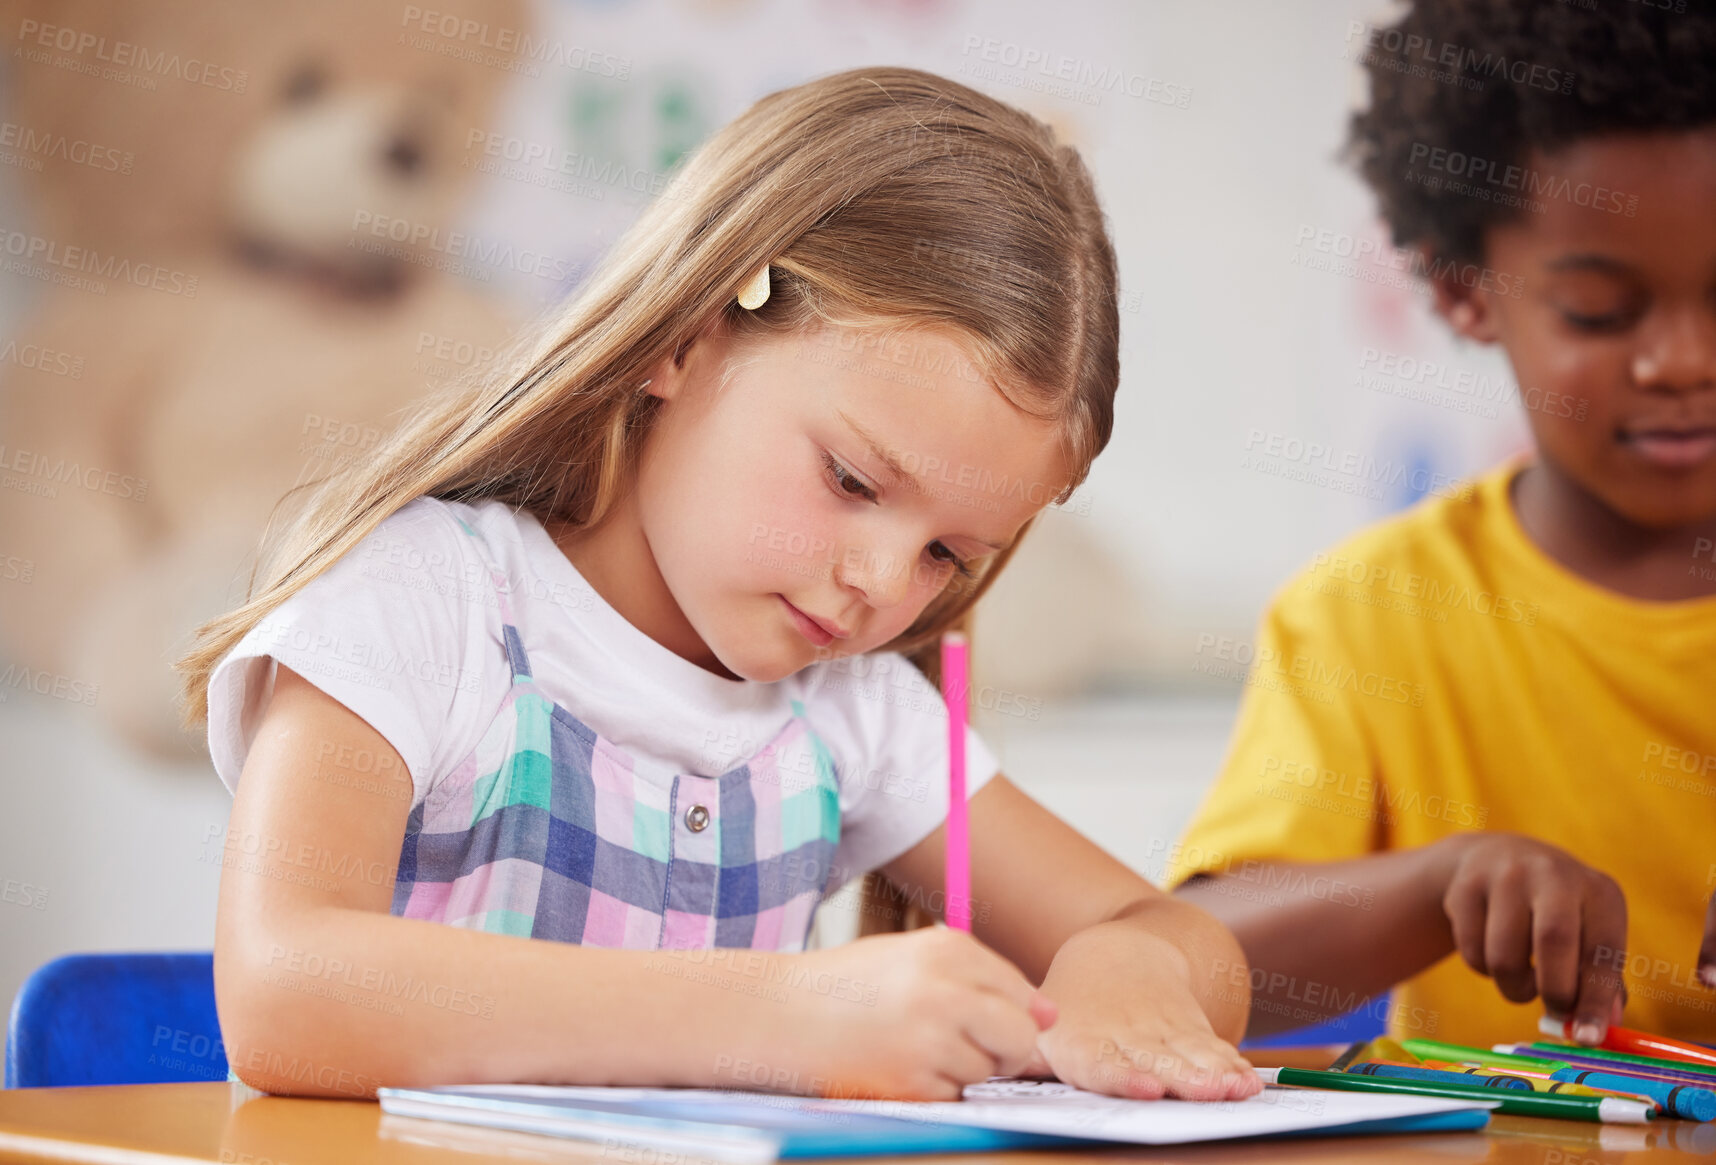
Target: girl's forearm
[
  {"x": 337, "y": 1002},
  {"x": 1323, "y": 937}
]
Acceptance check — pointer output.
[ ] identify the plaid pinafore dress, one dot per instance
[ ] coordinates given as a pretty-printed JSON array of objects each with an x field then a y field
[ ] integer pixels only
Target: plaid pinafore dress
[{"x": 548, "y": 830}]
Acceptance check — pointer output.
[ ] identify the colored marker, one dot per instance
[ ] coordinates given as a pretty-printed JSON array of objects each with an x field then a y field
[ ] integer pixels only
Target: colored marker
[
  {"x": 1637, "y": 1043},
  {"x": 1643, "y": 1072},
  {"x": 1583, "y": 1108},
  {"x": 1497, "y": 1057},
  {"x": 1354, "y": 1052},
  {"x": 1622, "y": 1062},
  {"x": 955, "y": 684},
  {"x": 1379, "y": 1048},
  {"x": 1683, "y": 1100},
  {"x": 1414, "y": 1072},
  {"x": 1568, "y": 1052},
  {"x": 1384, "y": 1048},
  {"x": 1539, "y": 1083},
  {"x": 1633, "y": 1072}
]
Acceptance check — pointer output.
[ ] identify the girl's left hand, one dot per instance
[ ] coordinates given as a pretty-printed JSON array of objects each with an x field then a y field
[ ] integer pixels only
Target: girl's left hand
[{"x": 1130, "y": 1026}]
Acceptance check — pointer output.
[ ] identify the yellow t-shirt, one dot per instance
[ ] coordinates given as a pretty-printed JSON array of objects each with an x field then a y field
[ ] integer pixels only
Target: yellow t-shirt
[{"x": 1438, "y": 673}]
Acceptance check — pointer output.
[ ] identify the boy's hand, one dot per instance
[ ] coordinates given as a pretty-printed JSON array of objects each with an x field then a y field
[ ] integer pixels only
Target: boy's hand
[
  {"x": 911, "y": 1016},
  {"x": 1130, "y": 1026},
  {"x": 1707, "y": 949},
  {"x": 1540, "y": 923}
]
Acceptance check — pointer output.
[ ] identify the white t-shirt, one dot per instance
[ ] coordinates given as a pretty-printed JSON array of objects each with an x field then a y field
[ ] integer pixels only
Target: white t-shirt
[{"x": 405, "y": 630}]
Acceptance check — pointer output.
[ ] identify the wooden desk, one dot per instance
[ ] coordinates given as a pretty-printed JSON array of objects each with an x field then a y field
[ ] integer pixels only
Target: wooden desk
[{"x": 159, "y": 1124}]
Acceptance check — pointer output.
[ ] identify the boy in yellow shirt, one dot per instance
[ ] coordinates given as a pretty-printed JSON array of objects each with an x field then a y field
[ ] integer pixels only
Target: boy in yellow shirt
[{"x": 1479, "y": 739}]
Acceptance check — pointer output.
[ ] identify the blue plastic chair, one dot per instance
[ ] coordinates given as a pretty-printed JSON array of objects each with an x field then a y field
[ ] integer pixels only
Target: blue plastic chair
[
  {"x": 1362, "y": 1023},
  {"x": 135, "y": 1018}
]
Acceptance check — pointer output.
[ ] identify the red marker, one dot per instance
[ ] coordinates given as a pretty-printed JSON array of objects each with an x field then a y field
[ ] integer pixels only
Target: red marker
[{"x": 1636, "y": 1043}]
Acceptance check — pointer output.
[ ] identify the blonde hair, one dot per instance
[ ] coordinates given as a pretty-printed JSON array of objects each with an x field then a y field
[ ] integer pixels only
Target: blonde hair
[{"x": 883, "y": 198}]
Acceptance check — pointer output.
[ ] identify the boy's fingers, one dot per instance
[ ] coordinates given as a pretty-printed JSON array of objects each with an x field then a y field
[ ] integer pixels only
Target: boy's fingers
[
  {"x": 1465, "y": 907},
  {"x": 1507, "y": 946},
  {"x": 1556, "y": 925},
  {"x": 1601, "y": 981},
  {"x": 1597, "y": 1004},
  {"x": 1707, "y": 949}
]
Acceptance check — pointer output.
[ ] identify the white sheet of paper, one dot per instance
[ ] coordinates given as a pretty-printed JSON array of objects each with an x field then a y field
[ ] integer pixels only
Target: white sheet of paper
[{"x": 1032, "y": 1106}]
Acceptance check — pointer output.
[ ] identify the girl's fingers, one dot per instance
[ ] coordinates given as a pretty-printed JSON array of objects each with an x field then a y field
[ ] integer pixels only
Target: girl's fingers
[
  {"x": 1138, "y": 1073},
  {"x": 991, "y": 971},
  {"x": 1159, "y": 1065},
  {"x": 1038, "y": 1064},
  {"x": 1004, "y": 1032},
  {"x": 966, "y": 1063},
  {"x": 1218, "y": 1061},
  {"x": 1190, "y": 1065},
  {"x": 1237, "y": 1065},
  {"x": 1226, "y": 1086},
  {"x": 1192, "y": 1081},
  {"x": 1133, "y": 1084}
]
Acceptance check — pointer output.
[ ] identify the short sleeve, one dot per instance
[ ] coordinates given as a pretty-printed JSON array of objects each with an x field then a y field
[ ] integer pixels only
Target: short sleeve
[
  {"x": 387, "y": 631},
  {"x": 1299, "y": 782},
  {"x": 886, "y": 726}
]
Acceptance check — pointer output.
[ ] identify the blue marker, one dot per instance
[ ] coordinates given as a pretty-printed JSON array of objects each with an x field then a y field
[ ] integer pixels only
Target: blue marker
[{"x": 1687, "y": 1101}]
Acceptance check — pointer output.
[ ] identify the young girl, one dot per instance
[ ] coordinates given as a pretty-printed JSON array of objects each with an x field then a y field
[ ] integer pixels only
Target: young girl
[{"x": 610, "y": 651}]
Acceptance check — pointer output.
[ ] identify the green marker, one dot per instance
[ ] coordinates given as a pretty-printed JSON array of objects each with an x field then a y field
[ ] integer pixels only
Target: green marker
[
  {"x": 1483, "y": 1057},
  {"x": 1605, "y": 1110}
]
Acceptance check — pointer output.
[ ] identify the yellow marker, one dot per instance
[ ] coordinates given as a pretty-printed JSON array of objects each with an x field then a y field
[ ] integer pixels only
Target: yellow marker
[{"x": 1383, "y": 1048}]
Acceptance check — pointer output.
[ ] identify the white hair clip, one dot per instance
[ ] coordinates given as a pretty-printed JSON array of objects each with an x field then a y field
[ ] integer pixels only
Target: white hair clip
[{"x": 755, "y": 292}]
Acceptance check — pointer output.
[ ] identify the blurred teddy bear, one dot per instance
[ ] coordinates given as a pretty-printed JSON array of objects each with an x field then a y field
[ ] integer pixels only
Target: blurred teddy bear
[{"x": 222, "y": 305}]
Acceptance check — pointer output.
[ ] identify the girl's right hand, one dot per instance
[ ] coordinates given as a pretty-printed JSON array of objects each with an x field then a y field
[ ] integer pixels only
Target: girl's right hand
[
  {"x": 910, "y": 1016},
  {"x": 1540, "y": 923}
]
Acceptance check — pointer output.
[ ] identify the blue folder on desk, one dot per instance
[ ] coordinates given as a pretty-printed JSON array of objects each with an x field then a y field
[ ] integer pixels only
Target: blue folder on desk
[
  {"x": 749, "y": 1128},
  {"x": 742, "y": 1131}
]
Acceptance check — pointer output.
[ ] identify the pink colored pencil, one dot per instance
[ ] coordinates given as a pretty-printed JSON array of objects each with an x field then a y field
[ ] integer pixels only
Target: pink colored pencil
[{"x": 955, "y": 684}]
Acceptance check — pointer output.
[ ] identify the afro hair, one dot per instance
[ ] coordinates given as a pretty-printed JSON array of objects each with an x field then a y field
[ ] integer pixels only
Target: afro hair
[{"x": 1494, "y": 83}]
